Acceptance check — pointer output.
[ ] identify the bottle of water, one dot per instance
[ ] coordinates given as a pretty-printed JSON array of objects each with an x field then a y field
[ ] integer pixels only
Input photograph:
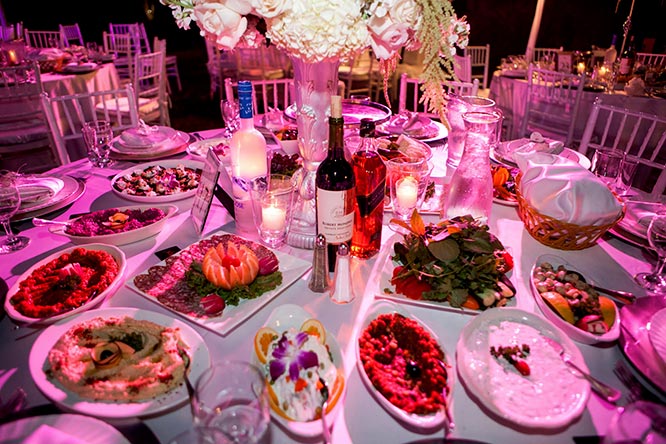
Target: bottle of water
[{"x": 471, "y": 187}]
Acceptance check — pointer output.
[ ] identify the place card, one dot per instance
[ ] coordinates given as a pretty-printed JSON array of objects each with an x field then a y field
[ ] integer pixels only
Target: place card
[{"x": 205, "y": 192}]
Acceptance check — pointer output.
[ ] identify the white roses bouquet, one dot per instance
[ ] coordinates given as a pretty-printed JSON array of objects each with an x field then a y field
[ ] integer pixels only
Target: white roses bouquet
[{"x": 327, "y": 30}]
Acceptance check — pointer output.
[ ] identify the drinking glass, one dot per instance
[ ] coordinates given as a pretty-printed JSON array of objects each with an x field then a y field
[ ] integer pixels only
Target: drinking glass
[
  {"x": 231, "y": 115},
  {"x": 607, "y": 164},
  {"x": 10, "y": 201},
  {"x": 639, "y": 422},
  {"x": 271, "y": 204},
  {"x": 655, "y": 282},
  {"x": 407, "y": 180},
  {"x": 97, "y": 135},
  {"x": 232, "y": 397},
  {"x": 455, "y": 108},
  {"x": 626, "y": 176}
]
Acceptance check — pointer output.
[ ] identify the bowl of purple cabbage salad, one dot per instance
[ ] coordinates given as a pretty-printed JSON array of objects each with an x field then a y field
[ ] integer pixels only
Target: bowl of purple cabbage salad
[{"x": 117, "y": 226}]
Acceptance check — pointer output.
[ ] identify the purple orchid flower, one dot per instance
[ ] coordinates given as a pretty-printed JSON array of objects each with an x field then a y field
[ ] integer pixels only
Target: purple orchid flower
[{"x": 290, "y": 355}]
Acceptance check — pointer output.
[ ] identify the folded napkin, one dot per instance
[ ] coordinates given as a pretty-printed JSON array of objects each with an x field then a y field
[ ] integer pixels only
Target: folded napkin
[
  {"x": 45, "y": 434},
  {"x": 37, "y": 189},
  {"x": 145, "y": 136},
  {"x": 638, "y": 215},
  {"x": 410, "y": 123},
  {"x": 536, "y": 143},
  {"x": 50, "y": 54},
  {"x": 564, "y": 190}
]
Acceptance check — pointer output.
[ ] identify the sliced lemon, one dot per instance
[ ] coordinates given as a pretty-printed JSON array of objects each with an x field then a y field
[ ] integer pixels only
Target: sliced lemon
[
  {"x": 262, "y": 340},
  {"x": 607, "y": 310},
  {"x": 314, "y": 327},
  {"x": 559, "y": 303}
]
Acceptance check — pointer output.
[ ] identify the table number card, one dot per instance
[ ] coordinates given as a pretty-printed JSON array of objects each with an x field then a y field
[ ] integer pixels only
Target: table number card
[
  {"x": 564, "y": 60},
  {"x": 205, "y": 192}
]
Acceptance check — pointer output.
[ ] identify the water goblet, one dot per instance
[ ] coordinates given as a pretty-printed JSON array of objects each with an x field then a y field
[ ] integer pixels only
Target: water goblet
[
  {"x": 655, "y": 282},
  {"x": 232, "y": 397},
  {"x": 638, "y": 422},
  {"x": 231, "y": 115},
  {"x": 607, "y": 164},
  {"x": 10, "y": 202},
  {"x": 97, "y": 135}
]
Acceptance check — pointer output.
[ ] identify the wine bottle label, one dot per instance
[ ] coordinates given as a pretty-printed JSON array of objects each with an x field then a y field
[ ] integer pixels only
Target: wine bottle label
[
  {"x": 366, "y": 204},
  {"x": 335, "y": 215},
  {"x": 625, "y": 66}
]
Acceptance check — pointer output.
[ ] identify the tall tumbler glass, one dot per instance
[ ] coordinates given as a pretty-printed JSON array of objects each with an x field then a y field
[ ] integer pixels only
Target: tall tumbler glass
[{"x": 456, "y": 107}]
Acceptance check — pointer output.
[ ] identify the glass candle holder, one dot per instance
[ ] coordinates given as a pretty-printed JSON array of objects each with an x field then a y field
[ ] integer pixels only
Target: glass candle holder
[
  {"x": 407, "y": 180},
  {"x": 272, "y": 201}
]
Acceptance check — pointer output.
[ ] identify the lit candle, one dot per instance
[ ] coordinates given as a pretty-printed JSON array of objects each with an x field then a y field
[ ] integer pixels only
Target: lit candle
[
  {"x": 13, "y": 59},
  {"x": 406, "y": 191},
  {"x": 581, "y": 67},
  {"x": 602, "y": 71},
  {"x": 273, "y": 218}
]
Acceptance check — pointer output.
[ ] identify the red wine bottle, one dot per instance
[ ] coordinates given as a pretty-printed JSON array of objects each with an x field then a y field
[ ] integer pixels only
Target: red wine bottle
[{"x": 335, "y": 188}]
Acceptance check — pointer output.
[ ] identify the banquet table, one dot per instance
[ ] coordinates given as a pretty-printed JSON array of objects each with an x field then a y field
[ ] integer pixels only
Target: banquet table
[
  {"x": 510, "y": 92},
  {"x": 103, "y": 78},
  {"x": 362, "y": 418}
]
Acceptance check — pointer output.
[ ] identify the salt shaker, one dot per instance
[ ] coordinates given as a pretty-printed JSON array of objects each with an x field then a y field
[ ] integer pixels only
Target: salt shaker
[
  {"x": 319, "y": 281},
  {"x": 342, "y": 291}
]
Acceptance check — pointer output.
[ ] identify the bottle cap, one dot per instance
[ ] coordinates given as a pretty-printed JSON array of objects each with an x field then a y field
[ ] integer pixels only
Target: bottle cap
[
  {"x": 336, "y": 106},
  {"x": 245, "y": 99}
]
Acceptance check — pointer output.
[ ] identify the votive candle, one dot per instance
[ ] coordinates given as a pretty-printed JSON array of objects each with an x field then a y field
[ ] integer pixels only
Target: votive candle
[
  {"x": 406, "y": 192},
  {"x": 580, "y": 67},
  {"x": 11, "y": 55},
  {"x": 273, "y": 218}
]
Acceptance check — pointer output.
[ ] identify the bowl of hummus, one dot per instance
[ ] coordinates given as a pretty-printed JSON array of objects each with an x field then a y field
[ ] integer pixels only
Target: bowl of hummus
[
  {"x": 67, "y": 282},
  {"x": 118, "y": 362}
]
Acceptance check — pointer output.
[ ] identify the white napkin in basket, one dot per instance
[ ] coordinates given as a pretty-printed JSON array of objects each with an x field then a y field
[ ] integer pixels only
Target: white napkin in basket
[{"x": 564, "y": 190}]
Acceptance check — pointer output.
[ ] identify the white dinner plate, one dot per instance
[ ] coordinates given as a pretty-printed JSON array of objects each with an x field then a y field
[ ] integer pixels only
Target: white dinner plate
[
  {"x": 530, "y": 401},
  {"x": 199, "y": 355},
  {"x": 169, "y": 147},
  {"x": 76, "y": 427},
  {"x": 165, "y": 164},
  {"x": 114, "y": 251},
  {"x": 289, "y": 316},
  {"x": 71, "y": 190},
  {"x": 292, "y": 269},
  {"x": 574, "y": 332},
  {"x": 567, "y": 153},
  {"x": 125, "y": 237},
  {"x": 200, "y": 148},
  {"x": 429, "y": 421},
  {"x": 657, "y": 333}
]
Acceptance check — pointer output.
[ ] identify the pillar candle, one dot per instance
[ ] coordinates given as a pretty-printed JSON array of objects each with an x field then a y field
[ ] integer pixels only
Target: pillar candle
[
  {"x": 273, "y": 218},
  {"x": 406, "y": 192}
]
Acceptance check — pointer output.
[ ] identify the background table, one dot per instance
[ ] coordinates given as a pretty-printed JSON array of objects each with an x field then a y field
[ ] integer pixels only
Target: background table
[
  {"x": 363, "y": 420},
  {"x": 510, "y": 92}
]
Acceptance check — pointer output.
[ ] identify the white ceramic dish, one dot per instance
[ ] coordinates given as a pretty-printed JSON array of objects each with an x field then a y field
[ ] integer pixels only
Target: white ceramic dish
[
  {"x": 283, "y": 318},
  {"x": 158, "y": 199},
  {"x": 169, "y": 147},
  {"x": 71, "y": 190},
  {"x": 567, "y": 153},
  {"x": 657, "y": 333},
  {"x": 574, "y": 332},
  {"x": 200, "y": 148},
  {"x": 126, "y": 237},
  {"x": 114, "y": 251},
  {"x": 292, "y": 269},
  {"x": 475, "y": 366},
  {"x": 385, "y": 282},
  {"x": 198, "y": 352},
  {"x": 428, "y": 422},
  {"x": 78, "y": 427},
  {"x": 147, "y": 137}
]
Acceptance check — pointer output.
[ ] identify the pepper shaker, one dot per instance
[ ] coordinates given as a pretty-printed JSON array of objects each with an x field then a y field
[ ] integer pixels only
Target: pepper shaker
[
  {"x": 319, "y": 280},
  {"x": 342, "y": 291}
]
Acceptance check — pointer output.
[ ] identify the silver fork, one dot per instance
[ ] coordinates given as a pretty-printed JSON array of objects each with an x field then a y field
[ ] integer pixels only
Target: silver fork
[{"x": 636, "y": 390}]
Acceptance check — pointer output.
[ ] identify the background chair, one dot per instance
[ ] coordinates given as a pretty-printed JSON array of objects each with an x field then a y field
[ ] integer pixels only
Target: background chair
[
  {"x": 641, "y": 136},
  {"x": 551, "y": 103},
  {"x": 67, "y": 114},
  {"x": 480, "y": 60},
  {"x": 409, "y": 98},
  {"x": 257, "y": 64},
  {"x": 462, "y": 66},
  {"x": 134, "y": 31},
  {"x": 150, "y": 84},
  {"x": 121, "y": 45},
  {"x": 24, "y": 133},
  {"x": 171, "y": 60},
  {"x": 267, "y": 95},
  {"x": 220, "y": 65},
  {"x": 44, "y": 39},
  {"x": 361, "y": 76},
  {"x": 71, "y": 34},
  {"x": 648, "y": 59},
  {"x": 545, "y": 53}
]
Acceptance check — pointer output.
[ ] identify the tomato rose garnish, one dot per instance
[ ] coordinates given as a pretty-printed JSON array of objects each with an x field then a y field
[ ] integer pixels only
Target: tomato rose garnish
[{"x": 410, "y": 286}]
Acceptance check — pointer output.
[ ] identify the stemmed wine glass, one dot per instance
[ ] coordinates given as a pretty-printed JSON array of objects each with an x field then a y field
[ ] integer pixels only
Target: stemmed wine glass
[
  {"x": 231, "y": 114},
  {"x": 655, "y": 282},
  {"x": 10, "y": 201}
]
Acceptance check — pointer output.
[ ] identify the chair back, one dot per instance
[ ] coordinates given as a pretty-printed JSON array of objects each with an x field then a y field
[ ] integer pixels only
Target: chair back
[
  {"x": 480, "y": 61},
  {"x": 143, "y": 38},
  {"x": 220, "y": 64},
  {"x": 71, "y": 34},
  {"x": 361, "y": 75},
  {"x": 551, "y": 103},
  {"x": 67, "y": 114},
  {"x": 267, "y": 95},
  {"x": 44, "y": 39},
  {"x": 648, "y": 59},
  {"x": 641, "y": 136},
  {"x": 462, "y": 67},
  {"x": 545, "y": 53},
  {"x": 24, "y": 134},
  {"x": 410, "y": 94},
  {"x": 122, "y": 47},
  {"x": 150, "y": 85},
  {"x": 133, "y": 29}
]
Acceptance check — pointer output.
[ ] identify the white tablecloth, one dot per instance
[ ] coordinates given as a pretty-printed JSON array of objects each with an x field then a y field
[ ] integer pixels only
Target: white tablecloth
[
  {"x": 363, "y": 419},
  {"x": 510, "y": 93}
]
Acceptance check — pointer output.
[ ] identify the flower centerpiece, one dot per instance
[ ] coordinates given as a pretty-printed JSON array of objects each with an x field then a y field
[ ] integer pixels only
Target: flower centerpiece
[{"x": 317, "y": 35}]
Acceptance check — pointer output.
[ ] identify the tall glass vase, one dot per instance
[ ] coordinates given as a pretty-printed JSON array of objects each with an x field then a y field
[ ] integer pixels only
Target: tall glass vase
[{"x": 314, "y": 83}]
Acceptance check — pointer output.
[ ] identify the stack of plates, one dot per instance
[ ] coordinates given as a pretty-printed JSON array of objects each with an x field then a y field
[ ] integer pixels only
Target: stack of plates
[
  {"x": 633, "y": 226},
  {"x": 147, "y": 144}
]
